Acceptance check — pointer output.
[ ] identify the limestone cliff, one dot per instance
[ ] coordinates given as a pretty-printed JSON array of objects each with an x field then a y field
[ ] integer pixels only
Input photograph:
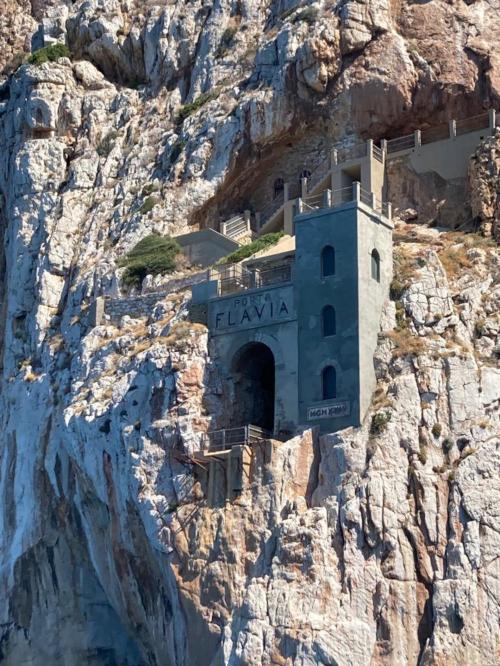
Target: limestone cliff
[{"x": 375, "y": 545}]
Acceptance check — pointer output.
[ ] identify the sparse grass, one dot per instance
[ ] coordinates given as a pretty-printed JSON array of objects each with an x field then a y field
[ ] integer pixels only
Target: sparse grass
[
  {"x": 381, "y": 399},
  {"x": 226, "y": 41},
  {"x": 454, "y": 260},
  {"x": 252, "y": 248},
  {"x": 181, "y": 331},
  {"x": 422, "y": 454},
  {"x": 406, "y": 344},
  {"x": 480, "y": 327},
  {"x": 379, "y": 423},
  {"x": 148, "y": 205},
  {"x": 437, "y": 430},
  {"x": 397, "y": 289},
  {"x": 153, "y": 255},
  {"x": 188, "y": 109},
  {"x": 49, "y": 53}
]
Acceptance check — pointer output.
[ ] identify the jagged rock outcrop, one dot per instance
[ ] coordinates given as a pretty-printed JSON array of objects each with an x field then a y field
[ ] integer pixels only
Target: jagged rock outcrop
[
  {"x": 484, "y": 183},
  {"x": 362, "y": 547}
]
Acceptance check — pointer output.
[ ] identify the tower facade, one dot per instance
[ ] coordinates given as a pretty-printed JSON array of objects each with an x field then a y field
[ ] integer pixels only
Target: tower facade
[{"x": 343, "y": 270}]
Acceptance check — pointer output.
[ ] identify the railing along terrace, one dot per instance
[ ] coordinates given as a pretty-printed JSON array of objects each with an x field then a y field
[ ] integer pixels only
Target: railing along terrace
[
  {"x": 329, "y": 199},
  {"x": 437, "y": 133},
  {"x": 235, "y": 278},
  {"x": 378, "y": 154},
  {"x": 472, "y": 124},
  {"x": 226, "y": 438},
  {"x": 401, "y": 143}
]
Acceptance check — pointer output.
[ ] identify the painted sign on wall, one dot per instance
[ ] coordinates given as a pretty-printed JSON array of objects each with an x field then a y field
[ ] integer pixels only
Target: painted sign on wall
[
  {"x": 330, "y": 411},
  {"x": 248, "y": 310}
]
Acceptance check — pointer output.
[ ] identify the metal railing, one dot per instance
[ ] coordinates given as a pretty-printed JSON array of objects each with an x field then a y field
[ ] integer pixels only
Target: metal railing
[
  {"x": 472, "y": 124},
  {"x": 226, "y": 438},
  {"x": 436, "y": 133},
  {"x": 401, "y": 143},
  {"x": 235, "y": 227},
  {"x": 329, "y": 199},
  {"x": 378, "y": 154},
  {"x": 235, "y": 277}
]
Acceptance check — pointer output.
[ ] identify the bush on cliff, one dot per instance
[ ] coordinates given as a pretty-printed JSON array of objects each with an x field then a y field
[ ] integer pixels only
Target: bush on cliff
[
  {"x": 49, "y": 53},
  {"x": 153, "y": 255},
  {"x": 246, "y": 251}
]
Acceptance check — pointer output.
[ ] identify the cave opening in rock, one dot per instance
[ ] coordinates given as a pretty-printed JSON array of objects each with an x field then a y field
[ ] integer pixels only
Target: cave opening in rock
[{"x": 253, "y": 372}]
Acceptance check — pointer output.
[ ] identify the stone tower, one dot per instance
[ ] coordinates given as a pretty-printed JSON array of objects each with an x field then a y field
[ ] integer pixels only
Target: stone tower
[{"x": 342, "y": 275}]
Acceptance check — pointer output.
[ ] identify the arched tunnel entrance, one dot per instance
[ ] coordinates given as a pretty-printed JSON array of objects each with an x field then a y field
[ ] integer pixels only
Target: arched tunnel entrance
[{"x": 253, "y": 371}]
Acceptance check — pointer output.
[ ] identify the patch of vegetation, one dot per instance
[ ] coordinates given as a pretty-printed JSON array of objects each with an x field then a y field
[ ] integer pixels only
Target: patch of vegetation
[
  {"x": 397, "y": 289},
  {"x": 379, "y": 423},
  {"x": 455, "y": 260},
  {"x": 447, "y": 444},
  {"x": 422, "y": 454},
  {"x": 480, "y": 327},
  {"x": 406, "y": 344},
  {"x": 188, "y": 109},
  {"x": 148, "y": 205},
  {"x": 177, "y": 149},
  {"x": 309, "y": 15},
  {"x": 226, "y": 41},
  {"x": 153, "y": 255},
  {"x": 437, "y": 429},
  {"x": 49, "y": 53},
  {"x": 255, "y": 246},
  {"x": 149, "y": 188},
  {"x": 107, "y": 144}
]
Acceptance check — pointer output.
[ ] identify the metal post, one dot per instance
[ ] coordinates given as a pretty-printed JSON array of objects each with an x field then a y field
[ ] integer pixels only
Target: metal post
[
  {"x": 491, "y": 119},
  {"x": 356, "y": 191},
  {"x": 452, "y": 129},
  {"x": 327, "y": 199},
  {"x": 418, "y": 138},
  {"x": 303, "y": 187},
  {"x": 333, "y": 157},
  {"x": 300, "y": 206},
  {"x": 247, "y": 217},
  {"x": 286, "y": 192},
  {"x": 383, "y": 146},
  {"x": 389, "y": 211},
  {"x": 369, "y": 148}
]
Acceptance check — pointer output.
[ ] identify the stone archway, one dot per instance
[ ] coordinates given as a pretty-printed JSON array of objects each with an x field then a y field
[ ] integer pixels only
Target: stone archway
[{"x": 253, "y": 370}]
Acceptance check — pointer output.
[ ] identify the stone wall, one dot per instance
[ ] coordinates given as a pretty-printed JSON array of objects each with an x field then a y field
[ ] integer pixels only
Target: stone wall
[{"x": 141, "y": 305}]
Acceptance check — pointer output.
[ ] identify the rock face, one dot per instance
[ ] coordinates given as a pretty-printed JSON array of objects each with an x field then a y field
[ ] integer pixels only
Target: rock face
[{"x": 376, "y": 545}]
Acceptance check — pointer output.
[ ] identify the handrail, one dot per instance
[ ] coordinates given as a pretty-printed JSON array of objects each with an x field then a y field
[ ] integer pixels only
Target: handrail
[{"x": 225, "y": 438}]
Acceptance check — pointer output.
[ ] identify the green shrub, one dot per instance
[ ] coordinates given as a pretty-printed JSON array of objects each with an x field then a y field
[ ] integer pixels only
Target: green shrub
[
  {"x": 436, "y": 430},
  {"x": 49, "y": 53},
  {"x": 226, "y": 42},
  {"x": 379, "y": 422},
  {"x": 247, "y": 250},
  {"x": 188, "y": 109},
  {"x": 106, "y": 144},
  {"x": 148, "y": 205},
  {"x": 153, "y": 255},
  {"x": 308, "y": 15},
  {"x": 447, "y": 444}
]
